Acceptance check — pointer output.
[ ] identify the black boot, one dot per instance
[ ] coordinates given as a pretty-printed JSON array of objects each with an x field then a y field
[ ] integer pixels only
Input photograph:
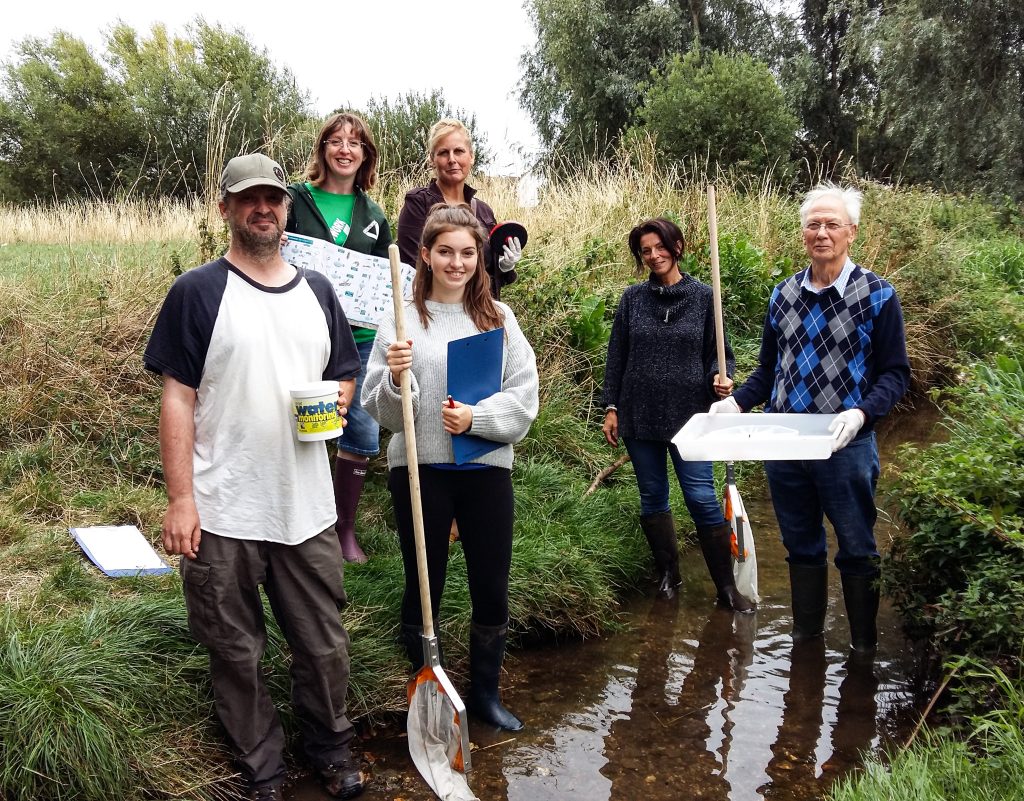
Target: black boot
[
  {"x": 861, "y": 596},
  {"x": 486, "y": 653},
  {"x": 809, "y": 587},
  {"x": 714, "y": 544},
  {"x": 411, "y": 638},
  {"x": 660, "y": 531}
]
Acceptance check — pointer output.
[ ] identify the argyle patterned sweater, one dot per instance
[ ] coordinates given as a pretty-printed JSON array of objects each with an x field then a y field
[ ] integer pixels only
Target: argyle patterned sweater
[{"x": 824, "y": 353}]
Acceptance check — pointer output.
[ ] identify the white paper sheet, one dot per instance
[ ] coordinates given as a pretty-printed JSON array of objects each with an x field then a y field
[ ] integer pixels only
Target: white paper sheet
[
  {"x": 363, "y": 282},
  {"x": 119, "y": 550}
]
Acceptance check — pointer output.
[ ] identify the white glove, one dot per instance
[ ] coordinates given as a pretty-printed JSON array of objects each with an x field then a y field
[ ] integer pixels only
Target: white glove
[
  {"x": 513, "y": 253},
  {"x": 845, "y": 428},
  {"x": 726, "y": 406}
]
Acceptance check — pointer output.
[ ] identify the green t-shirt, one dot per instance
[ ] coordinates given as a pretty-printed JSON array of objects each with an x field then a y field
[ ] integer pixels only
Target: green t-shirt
[
  {"x": 336, "y": 210},
  {"x": 337, "y": 213}
]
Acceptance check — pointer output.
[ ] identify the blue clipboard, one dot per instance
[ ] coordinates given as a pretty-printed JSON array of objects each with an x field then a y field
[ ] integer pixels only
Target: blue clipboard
[{"x": 474, "y": 373}]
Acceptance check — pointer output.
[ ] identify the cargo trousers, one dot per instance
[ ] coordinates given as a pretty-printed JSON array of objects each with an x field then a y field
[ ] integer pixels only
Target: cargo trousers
[{"x": 304, "y": 584}]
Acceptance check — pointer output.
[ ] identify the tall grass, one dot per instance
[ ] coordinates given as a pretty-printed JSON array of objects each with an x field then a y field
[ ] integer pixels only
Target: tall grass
[
  {"x": 73, "y": 222},
  {"x": 986, "y": 765}
]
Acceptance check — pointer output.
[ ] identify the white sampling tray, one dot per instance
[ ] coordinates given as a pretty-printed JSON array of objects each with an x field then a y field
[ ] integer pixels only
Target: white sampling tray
[{"x": 760, "y": 437}]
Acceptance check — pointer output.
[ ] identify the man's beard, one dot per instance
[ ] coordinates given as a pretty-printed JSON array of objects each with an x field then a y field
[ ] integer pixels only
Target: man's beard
[{"x": 260, "y": 245}]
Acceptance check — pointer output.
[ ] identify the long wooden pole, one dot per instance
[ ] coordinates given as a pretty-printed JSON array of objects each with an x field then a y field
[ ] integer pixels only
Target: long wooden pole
[
  {"x": 409, "y": 426},
  {"x": 716, "y": 291},
  {"x": 716, "y": 282}
]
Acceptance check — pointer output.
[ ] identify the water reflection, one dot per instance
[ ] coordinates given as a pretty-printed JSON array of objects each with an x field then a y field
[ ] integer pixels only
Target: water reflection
[
  {"x": 682, "y": 710},
  {"x": 698, "y": 703}
]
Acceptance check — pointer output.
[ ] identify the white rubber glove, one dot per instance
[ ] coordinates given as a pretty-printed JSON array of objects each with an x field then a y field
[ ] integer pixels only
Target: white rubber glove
[
  {"x": 845, "y": 427},
  {"x": 726, "y": 406},
  {"x": 513, "y": 253}
]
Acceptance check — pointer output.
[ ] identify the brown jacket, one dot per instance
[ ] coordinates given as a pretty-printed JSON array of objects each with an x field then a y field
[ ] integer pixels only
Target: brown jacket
[{"x": 418, "y": 203}]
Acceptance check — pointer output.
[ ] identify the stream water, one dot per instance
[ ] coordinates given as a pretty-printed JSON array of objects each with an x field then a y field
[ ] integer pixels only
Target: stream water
[{"x": 685, "y": 700}]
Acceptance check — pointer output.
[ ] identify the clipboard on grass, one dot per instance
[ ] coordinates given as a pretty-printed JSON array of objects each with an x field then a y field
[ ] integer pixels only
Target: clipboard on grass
[
  {"x": 119, "y": 551},
  {"x": 474, "y": 373}
]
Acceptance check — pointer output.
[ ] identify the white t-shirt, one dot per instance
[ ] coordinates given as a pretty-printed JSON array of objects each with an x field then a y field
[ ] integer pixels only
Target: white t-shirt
[{"x": 241, "y": 346}]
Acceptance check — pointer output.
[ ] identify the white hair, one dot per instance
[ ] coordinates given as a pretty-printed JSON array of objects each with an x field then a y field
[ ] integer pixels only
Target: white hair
[{"x": 848, "y": 196}]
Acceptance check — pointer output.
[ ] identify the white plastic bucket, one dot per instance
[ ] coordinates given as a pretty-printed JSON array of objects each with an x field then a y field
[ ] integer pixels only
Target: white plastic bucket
[{"x": 315, "y": 410}]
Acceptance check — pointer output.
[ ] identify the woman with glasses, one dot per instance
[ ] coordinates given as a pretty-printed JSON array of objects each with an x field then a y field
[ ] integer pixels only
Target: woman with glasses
[
  {"x": 332, "y": 204},
  {"x": 661, "y": 369},
  {"x": 450, "y": 151}
]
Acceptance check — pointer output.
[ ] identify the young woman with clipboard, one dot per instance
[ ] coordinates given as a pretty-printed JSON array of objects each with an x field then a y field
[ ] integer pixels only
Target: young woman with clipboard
[{"x": 451, "y": 301}]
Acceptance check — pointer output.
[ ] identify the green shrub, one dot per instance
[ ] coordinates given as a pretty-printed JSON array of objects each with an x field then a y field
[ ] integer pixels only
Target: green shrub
[
  {"x": 959, "y": 575},
  {"x": 1001, "y": 259}
]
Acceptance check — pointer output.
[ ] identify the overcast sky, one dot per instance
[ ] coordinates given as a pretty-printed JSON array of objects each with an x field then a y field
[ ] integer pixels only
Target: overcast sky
[{"x": 377, "y": 48}]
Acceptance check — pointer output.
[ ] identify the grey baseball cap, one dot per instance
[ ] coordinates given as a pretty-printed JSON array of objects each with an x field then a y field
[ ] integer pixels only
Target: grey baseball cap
[{"x": 254, "y": 169}]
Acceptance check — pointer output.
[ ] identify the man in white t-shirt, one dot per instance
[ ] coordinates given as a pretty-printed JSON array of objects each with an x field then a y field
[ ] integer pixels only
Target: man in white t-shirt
[{"x": 248, "y": 504}]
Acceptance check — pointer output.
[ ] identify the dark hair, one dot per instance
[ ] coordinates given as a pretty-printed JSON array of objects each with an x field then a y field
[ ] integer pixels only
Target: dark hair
[
  {"x": 477, "y": 300},
  {"x": 316, "y": 169},
  {"x": 669, "y": 234}
]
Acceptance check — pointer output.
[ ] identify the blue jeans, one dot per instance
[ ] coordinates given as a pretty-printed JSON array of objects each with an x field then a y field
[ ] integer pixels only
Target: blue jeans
[
  {"x": 842, "y": 489},
  {"x": 362, "y": 432},
  {"x": 696, "y": 479}
]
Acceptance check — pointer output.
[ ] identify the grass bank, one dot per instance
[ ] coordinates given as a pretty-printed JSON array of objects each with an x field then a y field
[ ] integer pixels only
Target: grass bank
[{"x": 104, "y": 674}]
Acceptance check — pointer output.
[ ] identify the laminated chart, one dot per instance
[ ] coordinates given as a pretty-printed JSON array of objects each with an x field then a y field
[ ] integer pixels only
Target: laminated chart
[{"x": 363, "y": 282}]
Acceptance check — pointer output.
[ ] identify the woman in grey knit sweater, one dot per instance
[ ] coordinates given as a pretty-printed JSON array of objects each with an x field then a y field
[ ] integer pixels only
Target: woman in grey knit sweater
[
  {"x": 451, "y": 300},
  {"x": 661, "y": 370}
]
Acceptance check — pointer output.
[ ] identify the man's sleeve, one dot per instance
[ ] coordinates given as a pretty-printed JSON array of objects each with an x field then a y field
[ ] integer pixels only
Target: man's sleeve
[
  {"x": 184, "y": 326},
  {"x": 344, "y": 362},
  {"x": 890, "y": 365}
]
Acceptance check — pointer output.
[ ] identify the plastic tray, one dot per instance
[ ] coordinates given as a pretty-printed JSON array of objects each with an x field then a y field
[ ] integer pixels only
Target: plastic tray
[{"x": 760, "y": 437}]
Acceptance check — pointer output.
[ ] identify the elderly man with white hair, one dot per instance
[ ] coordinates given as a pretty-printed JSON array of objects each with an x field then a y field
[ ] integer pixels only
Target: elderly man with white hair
[{"x": 833, "y": 342}]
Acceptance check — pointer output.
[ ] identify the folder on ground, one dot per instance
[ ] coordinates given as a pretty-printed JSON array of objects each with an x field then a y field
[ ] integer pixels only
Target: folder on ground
[
  {"x": 119, "y": 550},
  {"x": 474, "y": 373}
]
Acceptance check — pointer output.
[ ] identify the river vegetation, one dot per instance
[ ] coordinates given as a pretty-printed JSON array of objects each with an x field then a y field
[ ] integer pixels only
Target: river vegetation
[{"x": 102, "y": 691}]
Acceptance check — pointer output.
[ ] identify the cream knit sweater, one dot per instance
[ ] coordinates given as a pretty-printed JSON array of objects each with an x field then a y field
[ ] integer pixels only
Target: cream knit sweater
[{"x": 503, "y": 417}]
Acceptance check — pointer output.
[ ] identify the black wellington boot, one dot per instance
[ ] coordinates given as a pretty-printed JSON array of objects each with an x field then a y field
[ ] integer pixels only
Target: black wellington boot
[
  {"x": 861, "y": 596},
  {"x": 411, "y": 638},
  {"x": 486, "y": 653},
  {"x": 714, "y": 544},
  {"x": 660, "y": 531},
  {"x": 809, "y": 587}
]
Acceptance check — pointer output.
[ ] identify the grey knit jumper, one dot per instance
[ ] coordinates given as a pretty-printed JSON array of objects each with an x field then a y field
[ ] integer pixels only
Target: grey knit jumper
[
  {"x": 662, "y": 357},
  {"x": 503, "y": 417}
]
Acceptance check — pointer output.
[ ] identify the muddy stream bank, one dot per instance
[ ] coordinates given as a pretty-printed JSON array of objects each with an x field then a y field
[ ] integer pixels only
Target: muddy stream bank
[{"x": 685, "y": 700}]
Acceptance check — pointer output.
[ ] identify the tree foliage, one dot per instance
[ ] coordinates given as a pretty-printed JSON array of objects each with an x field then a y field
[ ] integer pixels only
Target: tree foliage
[
  {"x": 400, "y": 129},
  {"x": 727, "y": 106},
  {"x": 582, "y": 81},
  {"x": 139, "y": 118},
  {"x": 585, "y": 78},
  {"x": 65, "y": 124},
  {"x": 952, "y": 78},
  {"x": 832, "y": 81}
]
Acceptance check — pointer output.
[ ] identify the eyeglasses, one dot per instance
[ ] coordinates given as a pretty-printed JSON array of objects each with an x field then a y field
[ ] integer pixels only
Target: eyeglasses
[
  {"x": 831, "y": 226},
  {"x": 351, "y": 144}
]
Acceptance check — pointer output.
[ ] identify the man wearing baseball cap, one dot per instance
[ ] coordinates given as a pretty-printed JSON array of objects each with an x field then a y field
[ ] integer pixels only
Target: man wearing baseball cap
[{"x": 248, "y": 504}]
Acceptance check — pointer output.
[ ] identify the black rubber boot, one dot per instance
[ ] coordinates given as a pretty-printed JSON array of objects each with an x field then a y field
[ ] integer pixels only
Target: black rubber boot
[
  {"x": 714, "y": 544},
  {"x": 411, "y": 638},
  {"x": 660, "y": 531},
  {"x": 809, "y": 587},
  {"x": 486, "y": 653},
  {"x": 861, "y": 596}
]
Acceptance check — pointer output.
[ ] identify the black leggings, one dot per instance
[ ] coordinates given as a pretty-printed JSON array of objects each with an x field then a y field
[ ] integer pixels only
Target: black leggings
[{"x": 482, "y": 504}]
